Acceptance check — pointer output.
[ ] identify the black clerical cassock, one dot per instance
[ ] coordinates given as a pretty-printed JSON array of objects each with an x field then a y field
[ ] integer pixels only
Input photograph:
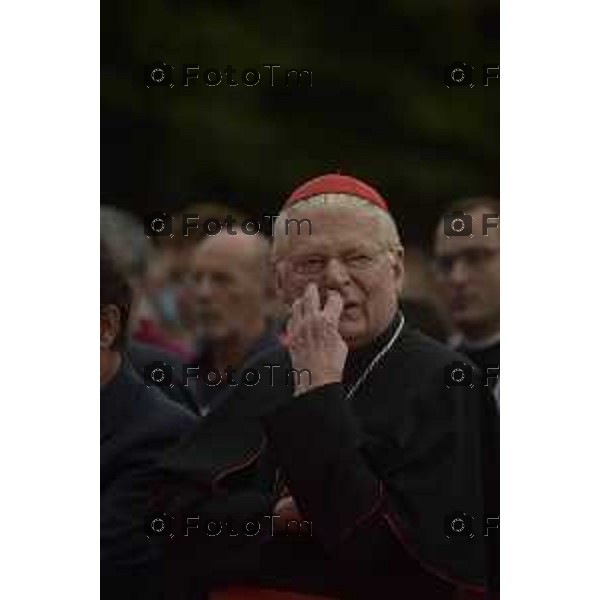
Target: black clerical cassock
[{"x": 396, "y": 468}]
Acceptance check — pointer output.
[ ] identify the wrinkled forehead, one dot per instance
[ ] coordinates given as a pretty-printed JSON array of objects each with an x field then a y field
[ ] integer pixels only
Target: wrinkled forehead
[
  {"x": 333, "y": 229},
  {"x": 225, "y": 252}
]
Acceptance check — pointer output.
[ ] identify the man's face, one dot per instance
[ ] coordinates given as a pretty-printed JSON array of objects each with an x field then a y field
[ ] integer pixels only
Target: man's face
[
  {"x": 345, "y": 253},
  {"x": 228, "y": 288},
  {"x": 468, "y": 271}
]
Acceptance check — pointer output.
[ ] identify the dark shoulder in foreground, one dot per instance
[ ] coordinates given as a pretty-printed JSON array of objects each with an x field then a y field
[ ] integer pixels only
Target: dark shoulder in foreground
[
  {"x": 131, "y": 410},
  {"x": 143, "y": 355},
  {"x": 274, "y": 386},
  {"x": 158, "y": 416},
  {"x": 158, "y": 408}
]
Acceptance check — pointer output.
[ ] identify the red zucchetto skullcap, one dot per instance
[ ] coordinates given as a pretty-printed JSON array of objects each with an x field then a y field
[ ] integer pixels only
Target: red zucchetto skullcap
[{"x": 334, "y": 183}]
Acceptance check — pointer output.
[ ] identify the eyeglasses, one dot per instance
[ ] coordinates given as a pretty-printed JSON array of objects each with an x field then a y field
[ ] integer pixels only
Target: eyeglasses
[
  {"x": 355, "y": 261},
  {"x": 474, "y": 259}
]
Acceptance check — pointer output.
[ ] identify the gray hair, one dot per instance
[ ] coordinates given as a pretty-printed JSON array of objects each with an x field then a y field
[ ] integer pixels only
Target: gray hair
[{"x": 124, "y": 236}]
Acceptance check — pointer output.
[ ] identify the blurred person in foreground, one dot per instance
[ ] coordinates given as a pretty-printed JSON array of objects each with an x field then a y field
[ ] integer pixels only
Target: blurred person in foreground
[
  {"x": 137, "y": 425},
  {"x": 467, "y": 263},
  {"x": 384, "y": 455},
  {"x": 231, "y": 291}
]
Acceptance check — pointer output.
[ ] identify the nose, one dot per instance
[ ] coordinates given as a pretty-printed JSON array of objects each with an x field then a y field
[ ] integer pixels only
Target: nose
[
  {"x": 203, "y": 288},
  {"x": 335, "y": 275},
  {"x": 459, "y": 273}
]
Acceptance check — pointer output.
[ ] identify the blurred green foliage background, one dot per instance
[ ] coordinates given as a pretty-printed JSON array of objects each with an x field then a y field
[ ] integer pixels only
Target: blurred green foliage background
[{"x": 378, "y": 107}]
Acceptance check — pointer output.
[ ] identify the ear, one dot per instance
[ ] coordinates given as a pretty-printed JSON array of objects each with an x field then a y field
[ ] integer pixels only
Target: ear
[
  {"x": 270, "y": 280},
  {"x": 110, "y": 317},
  {"x": 398, "y": 267},
  {"x": 270, "y": 293},
  {"x": 278, "y": 269}
]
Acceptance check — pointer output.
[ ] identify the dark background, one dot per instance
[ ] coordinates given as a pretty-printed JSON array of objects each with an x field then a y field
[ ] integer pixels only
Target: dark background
[{"x": 378, "y": 107}]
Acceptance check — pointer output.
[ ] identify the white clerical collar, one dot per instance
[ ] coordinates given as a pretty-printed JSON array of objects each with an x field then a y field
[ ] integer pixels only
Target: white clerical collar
[{"x": 458, "y": 339}]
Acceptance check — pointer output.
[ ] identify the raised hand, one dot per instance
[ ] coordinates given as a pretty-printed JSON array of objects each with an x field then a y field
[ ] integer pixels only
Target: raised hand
[{"x": 314, "y": 340}]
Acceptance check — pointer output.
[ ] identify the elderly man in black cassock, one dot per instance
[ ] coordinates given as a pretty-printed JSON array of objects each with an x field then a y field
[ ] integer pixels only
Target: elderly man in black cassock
[{"x": 389, "y": 455}]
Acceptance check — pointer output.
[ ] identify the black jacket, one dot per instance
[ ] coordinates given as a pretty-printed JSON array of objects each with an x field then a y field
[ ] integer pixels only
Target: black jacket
[
  {"x": 206, "y": 397},
  {"x": 378, "y": 476},
  {"x": 144, "y": 356},
  {"x": 138, "y": 425}
]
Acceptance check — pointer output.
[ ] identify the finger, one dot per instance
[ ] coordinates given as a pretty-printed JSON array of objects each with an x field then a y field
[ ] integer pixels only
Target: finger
[
  {"x": 312, "y": 302},
  {"x": 333, "y": 306},
  {"x": 295, "y": 317},
  {"x": 300, "y": 302},
  {"x": 285, "y": 503}
]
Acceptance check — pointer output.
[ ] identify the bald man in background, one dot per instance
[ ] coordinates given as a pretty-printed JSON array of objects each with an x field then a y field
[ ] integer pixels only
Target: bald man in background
[{"x": 233, "y": 298}]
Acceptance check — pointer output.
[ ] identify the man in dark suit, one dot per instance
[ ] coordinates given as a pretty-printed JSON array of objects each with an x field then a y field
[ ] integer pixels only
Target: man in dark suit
[
  {"x": 231, "y": 290},
  {"x": 138, "y": 424},
  {"x": 467, "y": 260}
]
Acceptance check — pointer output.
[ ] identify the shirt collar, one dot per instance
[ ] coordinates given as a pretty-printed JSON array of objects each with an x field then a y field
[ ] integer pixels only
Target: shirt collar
[
  {"x": 460, "y": 341},
  {"x": 268, "y": 339}
]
